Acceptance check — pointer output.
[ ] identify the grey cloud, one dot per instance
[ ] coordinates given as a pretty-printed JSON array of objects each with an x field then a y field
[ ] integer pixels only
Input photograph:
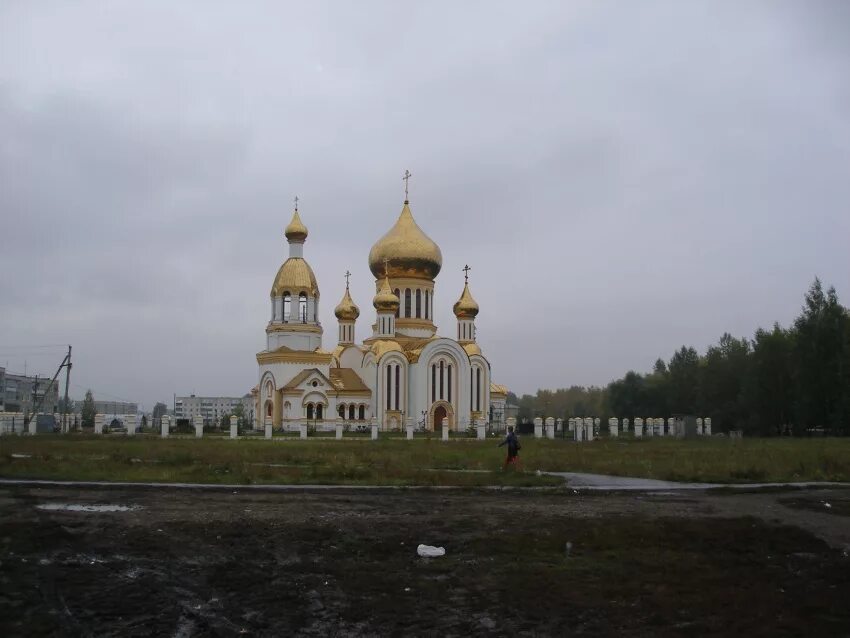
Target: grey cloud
[{"x": 623, "y": 178}]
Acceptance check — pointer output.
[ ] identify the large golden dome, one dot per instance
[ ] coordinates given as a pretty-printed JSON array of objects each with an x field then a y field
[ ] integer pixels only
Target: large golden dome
[
  {"x": 408, "y": 251},
  {"x": 347, "y": 309},
  {"x": 294, "y": 277}
]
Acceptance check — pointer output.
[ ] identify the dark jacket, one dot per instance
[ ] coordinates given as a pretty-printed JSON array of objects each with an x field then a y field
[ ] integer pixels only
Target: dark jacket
[{"x": 512, "y": 442}]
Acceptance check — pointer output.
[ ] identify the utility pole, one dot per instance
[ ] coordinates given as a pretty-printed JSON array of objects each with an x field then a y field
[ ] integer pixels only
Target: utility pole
[
  {"x": 32, "y": 400},
  {"x": 37, "y": 406},
  {"x": 65, "y": 424}
]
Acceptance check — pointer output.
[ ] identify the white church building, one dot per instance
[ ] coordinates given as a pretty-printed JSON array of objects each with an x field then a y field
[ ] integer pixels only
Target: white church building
[{"x": 403, "y": 373}]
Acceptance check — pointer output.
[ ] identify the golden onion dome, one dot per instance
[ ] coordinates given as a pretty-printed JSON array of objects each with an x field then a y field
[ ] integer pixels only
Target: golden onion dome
[
  {"x": 296, "y": 230},
  {"x": 466, "y": 307},
  {"x": 347, "y": 309},
  {"x": 385, "y": 299},
  {"x": 406, "y": 251},
  {"x": 295, "y": 276}
]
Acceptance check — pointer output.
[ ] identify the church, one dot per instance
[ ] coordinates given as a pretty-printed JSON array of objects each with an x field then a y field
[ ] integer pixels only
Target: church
[{"x": 402, "y": 374}]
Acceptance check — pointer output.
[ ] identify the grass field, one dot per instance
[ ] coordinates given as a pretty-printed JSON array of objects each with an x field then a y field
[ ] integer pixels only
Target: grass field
[{"x": 420, "y": 462}]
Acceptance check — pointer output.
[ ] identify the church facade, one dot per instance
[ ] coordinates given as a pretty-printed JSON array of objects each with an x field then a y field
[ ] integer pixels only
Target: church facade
[{"x": 402, "y": 373}]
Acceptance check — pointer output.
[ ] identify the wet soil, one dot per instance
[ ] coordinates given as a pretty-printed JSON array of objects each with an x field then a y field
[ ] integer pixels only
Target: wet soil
[{"x": 343, "y": 563}]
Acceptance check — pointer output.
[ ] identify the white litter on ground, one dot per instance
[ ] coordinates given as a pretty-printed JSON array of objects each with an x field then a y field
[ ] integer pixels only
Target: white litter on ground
[
  {"x": 21, "y": 456},
  {"x": 427, "y": 551},
  {"x": 69, "y": 507}
]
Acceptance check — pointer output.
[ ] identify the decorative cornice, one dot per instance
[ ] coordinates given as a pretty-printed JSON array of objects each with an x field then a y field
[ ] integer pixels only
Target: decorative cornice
[
  {"x": 410, "y": 322},
  {"x": 314, "y": 328},
  {"x": 294, "y": 356},
  {"x": 405, "y": 282}
]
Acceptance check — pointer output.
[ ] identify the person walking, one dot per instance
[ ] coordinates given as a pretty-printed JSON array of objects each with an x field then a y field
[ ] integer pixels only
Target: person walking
[{"x": 512, "y": 441}]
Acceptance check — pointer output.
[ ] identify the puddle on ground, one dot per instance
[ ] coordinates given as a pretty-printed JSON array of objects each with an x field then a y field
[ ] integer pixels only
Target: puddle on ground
[{"x": 73, "y": 507}]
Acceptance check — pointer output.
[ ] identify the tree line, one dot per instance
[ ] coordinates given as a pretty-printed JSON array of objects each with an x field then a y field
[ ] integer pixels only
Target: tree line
[{"x": 782, "y": 381}]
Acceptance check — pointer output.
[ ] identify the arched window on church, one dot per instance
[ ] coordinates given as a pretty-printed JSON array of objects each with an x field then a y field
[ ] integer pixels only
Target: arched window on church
[
  {"x": 351, "y": 412},
  {"x": 478, "y": 389},
  {"x": 398, "y": 310},
  {"x": 426, "y": 304},
  {"x": 362, "y": 412},
  {"x": 389, "y": 387},
  {"x": 341, "y": 411},
  {"x": 302, "y": 307},
  {"x": 418, "y": 303},
  {"x": 407, "y": 302},
  {"x": 442, "y": 385},
  {"x": 309, "y": 410},
  {"x": 433, "y": 382},
  {"x": 287, "y": 306},
  {"x": 319, "y": 410},
  {"x": 449, "y": 387},
  {"x": 397, "y": 384}
]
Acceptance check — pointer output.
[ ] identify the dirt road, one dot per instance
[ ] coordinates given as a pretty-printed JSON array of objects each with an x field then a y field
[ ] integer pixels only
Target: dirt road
[{"x": 344, "y": 563}]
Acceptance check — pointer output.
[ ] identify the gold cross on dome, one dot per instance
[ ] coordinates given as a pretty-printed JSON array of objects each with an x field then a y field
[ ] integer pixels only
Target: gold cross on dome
[
  {"x": 386, "y": 266},
  {"x": 466, "y": 270},
  {"x": 347, "y": 275},
  {"x": 406, "y": 180},
  {"x": 296, "y": 203}
]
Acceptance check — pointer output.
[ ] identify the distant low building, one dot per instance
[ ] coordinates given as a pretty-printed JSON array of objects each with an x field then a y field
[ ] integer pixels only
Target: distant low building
[
  {"x": 112, "y": 407},
  {"x": 107, "y": 407},
  {"x": 212, "y": 408},
  {"x": 22, "y": 393}
]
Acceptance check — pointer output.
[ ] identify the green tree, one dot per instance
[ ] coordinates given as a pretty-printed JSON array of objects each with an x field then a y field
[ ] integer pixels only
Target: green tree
[
  {"x": 683, "y": 376},
  {"x": 722, "y": 378},
  {"x": 821, "y": 357},
  {"x": 239, "y": 412},
  {"x": 770, "y": 383},
  {"x": 627, "y": 397},
  {"x": 87, "y": 411},
  {"x": 526, "y": 407}
]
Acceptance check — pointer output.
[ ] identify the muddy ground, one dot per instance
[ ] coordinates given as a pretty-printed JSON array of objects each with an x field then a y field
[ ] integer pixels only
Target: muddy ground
[{"x": 344, "y": 563}]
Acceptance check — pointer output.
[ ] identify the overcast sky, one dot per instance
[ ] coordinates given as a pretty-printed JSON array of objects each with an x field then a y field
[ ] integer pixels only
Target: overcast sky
[{"x": 622, "y": 177}]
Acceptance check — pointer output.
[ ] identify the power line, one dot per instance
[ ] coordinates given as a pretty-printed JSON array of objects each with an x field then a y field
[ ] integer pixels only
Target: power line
[{"x": 49, "y": 345}]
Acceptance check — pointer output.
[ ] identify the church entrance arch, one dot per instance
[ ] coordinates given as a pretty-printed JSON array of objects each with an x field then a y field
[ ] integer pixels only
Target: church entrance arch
[{"x": 439, "y": 411}]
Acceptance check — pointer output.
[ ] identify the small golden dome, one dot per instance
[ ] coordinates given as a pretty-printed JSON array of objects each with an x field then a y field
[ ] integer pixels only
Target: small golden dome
[
  {"x": 347, "y": 309},
  {"x": 295, "y": 276},
  {"x": 296, "y": 230},
  {"x": 465, "y": 307},
  {"x": 385, "y": 300},
  {"x": 408, "y": 251}
]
